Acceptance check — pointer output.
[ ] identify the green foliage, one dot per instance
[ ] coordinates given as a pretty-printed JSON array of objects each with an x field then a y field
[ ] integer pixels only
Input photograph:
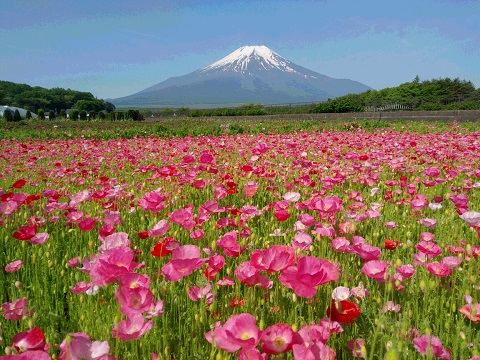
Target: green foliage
[
  {"x": 436, "y": 94},
  {"x": 82, "y": 115},
  {"x": 51, "y": 115},
  {"x": 7, "y": 114},
  {"x": 35, "y": 98},
  {"x": 28, "y": 115},
  {"x": 41, "y": 114},
  {"x": 63, "y": 114},
  {"x": 74, "y": 115},
  {"x": 16, "y": 116}
]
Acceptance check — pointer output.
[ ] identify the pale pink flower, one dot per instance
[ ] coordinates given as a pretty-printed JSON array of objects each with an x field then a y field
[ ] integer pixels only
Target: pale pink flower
[
  {"x": 9, "y": 207},
  {"x": 307, "y": 219},
  {"x": 133, "y": 327},
  {"x": 340, "y": 293},
  {"x": 313, "y": 350},
  {"x": 159, "y": 229},
  {"x": 419, "y": 202},
  {"x": 134, "y": 300},
  {"x": 153, "y": 201},
  {"x": 39, "y": 238},
  {"x": 155, "y": 310},
  {"x": 292, "y": 196},
  {"x": 114, "y": 240},
  {"x": 390, "y": 225},
  {"x": 427, "y": 236},
  {"x": 471, "y": 218},
  {"x": 407, "y": 271},
  {"x": 360, "y": 291},
  {"x": 249, "y": 189},
  {"x": 81, "y": 287},
  {"x": 390, "y": 307},
  {"x": 453, "y": 262},
  {"x": 248, "y": 274},
  {"x": 367, "y": 252},
  {"x": 428, "y": 223}
]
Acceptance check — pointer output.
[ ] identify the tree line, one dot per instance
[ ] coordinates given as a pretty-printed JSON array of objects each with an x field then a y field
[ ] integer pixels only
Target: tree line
[
  {"x": 428, "y": 95},
  {"x": 56, "y": 99}
]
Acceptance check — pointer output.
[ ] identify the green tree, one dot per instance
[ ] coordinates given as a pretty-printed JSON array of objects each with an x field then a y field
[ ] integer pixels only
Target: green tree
[
  {"x": 63, "y": 114},
  {"x": 101, "y": 115},
  {"x": 51, "y": 115},
  {"x": 28, "y": 115},
  {"x": 41, "y": 114},
  {"x": 7, "y": 114},
  {"x": 73, "y": 115},
  {"x": 83, "y": 115},
  {"x": 16, "y": 116}
]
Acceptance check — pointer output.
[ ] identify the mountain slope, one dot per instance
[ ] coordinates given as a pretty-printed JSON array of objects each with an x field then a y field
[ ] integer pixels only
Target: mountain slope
[{"x": 249, "y": 74}]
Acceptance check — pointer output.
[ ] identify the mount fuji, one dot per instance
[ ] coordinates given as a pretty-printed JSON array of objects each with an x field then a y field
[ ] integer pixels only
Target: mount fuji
[{"x": 250, "y": 74}]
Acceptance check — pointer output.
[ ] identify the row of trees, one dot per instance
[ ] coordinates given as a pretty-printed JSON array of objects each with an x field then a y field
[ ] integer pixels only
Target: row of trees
[
  {"x": 428, "y": 95},
  {"x": 36, "y": 98}
]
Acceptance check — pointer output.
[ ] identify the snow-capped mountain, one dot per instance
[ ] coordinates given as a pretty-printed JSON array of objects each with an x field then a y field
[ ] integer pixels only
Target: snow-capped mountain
[{"x": 250, "y": 74}]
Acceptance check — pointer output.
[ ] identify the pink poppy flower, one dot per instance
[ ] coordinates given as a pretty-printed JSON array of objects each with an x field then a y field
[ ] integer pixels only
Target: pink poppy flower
[
  {"x": 428, "y": 223},
  {"x": 195, "y": 293},
  {"x": 249, "y": 274},
  {"x": 275, "y": 258},
  {"x": 291, "y": 196},
  {"x": 33, "y": 339},
  {"x": 113, "y": 241},
  {"x": 80, "y": 197},
  {"x": 390, "y": 225},
  {"x": 359, "y": 291},
  {"x": 133, "y": 327},
  {"x": 153, "y": 201},
  {"x": 419, "y": 202},
  {"x": 302, "y": 241},
  {"x": 251, "y": 354},
  {"x": 471, "y": 311},
  {"x": 15, "y": 310},
  {"x": 239, "y": 331},
  {"x": 214, "y": 265},
  {"x": 87, "y": 224},
  {"x": 429, "y": 248},
  {"x": 112, "y": 265},
  {"x": 453, "y": 262},
  {"x": 80, "y": 346},
  {"x": 81, "y": 287},
  {"x": 432, "y": 171},
  {"x": 155, "y": 310},
  {"x": 197, "y": 234},
  {"x": 134, "y": 300},
  {"x": 39, "y": 238},
  {"x": 9, "y": 207},
  {"x": 307, "y": 275},
  {"x": 438, "y": 269},
  {"x": 376, "y": 269},
  {"x": 226, "y": 281},
  {"x": 340, "y": 293},
  {"x": 427, "y": 236},
  {"x": 390, "y": 307},
  {"x": 13, "y": 266},
  {"x": 367, "y": 252},
  {"x": 159, "y": 229},
  {"x": 471, "y": 218},
  {"x": 183, "y": 217},
  {"x": 249, "y": 189},
  {"x": 29, "y": 355},
  {"x": 459, "y": 200},
  {"x": 313, "y": 350},
  {"x": 185, "y": 259},
  {"x": 277, "y": 339},
  {"x": 425, "y": 342},
  {"x": 229, "y": 244},
  {"x": 358, "y": 348},
  {"x": 329, "y": 204},
  {"x": 407, "y": 271},
  {"x": 307, "y": 219}
]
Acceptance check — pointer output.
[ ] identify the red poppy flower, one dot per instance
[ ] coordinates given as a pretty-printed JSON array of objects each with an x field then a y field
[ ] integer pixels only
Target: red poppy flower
[
  {"x": 391, "y": 244},
  {"x": 143, "y": 234},
  {"x": 19, "y": 184},
  {"x": 25, "y": 232},
  {"x": 345, "y": 312}
]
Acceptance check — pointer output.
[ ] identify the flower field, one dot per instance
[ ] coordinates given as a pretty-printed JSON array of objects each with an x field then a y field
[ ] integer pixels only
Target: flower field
[{"x": 304, "y": 244}]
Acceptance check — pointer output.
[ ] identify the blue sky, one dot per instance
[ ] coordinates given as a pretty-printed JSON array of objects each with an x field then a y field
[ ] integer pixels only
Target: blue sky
[{"x": 115, "y": 48}]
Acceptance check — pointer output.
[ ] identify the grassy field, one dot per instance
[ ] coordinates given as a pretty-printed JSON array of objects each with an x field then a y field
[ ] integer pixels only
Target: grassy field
[{"x": 200, "y": 239}]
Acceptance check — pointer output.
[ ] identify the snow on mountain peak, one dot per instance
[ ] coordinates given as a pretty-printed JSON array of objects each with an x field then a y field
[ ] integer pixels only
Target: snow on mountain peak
[{"x": 240, "y": 59}]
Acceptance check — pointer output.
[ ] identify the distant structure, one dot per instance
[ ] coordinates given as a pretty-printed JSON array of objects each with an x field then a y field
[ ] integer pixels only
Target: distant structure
[{"x": 23, "y": 112}]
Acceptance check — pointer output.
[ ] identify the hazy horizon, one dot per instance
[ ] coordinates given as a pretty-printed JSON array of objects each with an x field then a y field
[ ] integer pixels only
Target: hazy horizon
[{"x": 117, "y": 48}]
